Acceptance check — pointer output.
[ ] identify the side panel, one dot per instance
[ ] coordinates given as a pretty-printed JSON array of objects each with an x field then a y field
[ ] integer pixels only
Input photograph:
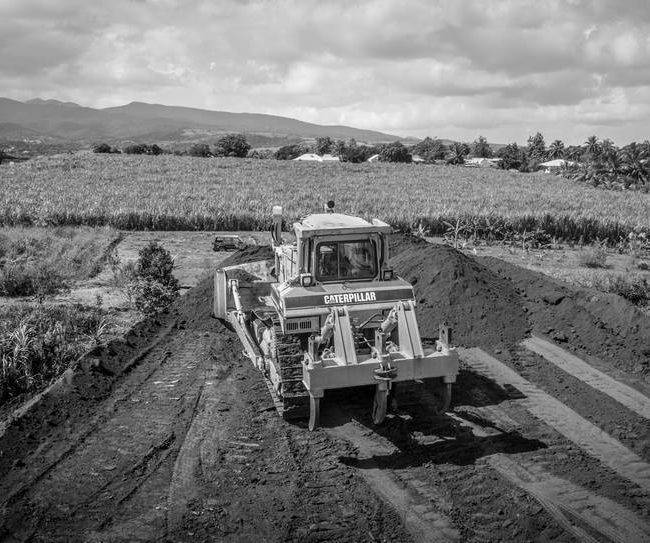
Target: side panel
[{"x": 220, "y": 298}]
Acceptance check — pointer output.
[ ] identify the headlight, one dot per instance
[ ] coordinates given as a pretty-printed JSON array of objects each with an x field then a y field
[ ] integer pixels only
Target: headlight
[
  {"x": 306, "y": 280},
  {"x": 387, "y": 275}
]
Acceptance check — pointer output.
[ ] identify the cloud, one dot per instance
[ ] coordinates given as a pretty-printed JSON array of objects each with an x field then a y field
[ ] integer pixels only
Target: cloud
[{"x": 422, "y": 67}]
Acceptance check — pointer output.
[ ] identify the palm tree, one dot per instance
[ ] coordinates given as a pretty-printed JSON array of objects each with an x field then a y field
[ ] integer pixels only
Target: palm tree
[
  {"x": 592, "y": 147},
  {"x": 556, "y": 149},
  {"x": 634, "y": 166},
  {"x": 458, "y": 152},
  {"x": 573, "y": 152},
  {"x": 645, "y": 146}
]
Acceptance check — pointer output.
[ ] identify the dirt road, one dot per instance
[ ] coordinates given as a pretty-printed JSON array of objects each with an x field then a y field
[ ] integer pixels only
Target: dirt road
[{"x": 171, "y": 435}]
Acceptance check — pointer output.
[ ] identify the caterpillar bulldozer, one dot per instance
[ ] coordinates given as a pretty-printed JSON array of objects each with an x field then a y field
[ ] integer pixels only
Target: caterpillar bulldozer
[{"x": 328, "y": 312}]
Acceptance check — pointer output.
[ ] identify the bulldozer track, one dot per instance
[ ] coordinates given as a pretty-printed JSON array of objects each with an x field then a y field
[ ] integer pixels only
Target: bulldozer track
[
  {"x": 418, "y": 503},
  {"x": 288, "y": 355},
  {"x": 625, "y": 395},
  {"x": 578, "y": 510},
  {"x": 572, "y": 506},
  {"x": 563, "y": 419},
  {"x": 427, "y": 512}
]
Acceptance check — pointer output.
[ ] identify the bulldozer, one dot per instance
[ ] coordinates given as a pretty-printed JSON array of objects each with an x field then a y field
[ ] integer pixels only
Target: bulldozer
[{"x": 328, "y": 312}]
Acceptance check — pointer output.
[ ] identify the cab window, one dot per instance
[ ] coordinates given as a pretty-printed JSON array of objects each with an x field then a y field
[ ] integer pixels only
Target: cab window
[{"x": 346, "y": 260}]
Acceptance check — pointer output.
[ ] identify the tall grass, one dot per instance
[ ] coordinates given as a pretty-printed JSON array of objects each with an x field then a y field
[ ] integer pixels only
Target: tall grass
[
  {"x": 38, "y": 343},
  {"x": 42, "y": 261},
  {"x": 185, "y": 193}
]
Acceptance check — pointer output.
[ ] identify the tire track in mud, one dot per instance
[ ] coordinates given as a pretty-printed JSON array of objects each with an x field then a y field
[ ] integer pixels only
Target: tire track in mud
[
  {"x": 420, "y": 506},
  {"x": 428, "y": 469},
  {"x": 567, "y": 422},
  {"x": 571, "y": 364},
  {"x": 183, "y": 485},
  {"x": 133, "y": 434},
  {"x": 56, "y": 449},
  {"x": 572, "y": 506},
  {"x": 430, "y": 493}
]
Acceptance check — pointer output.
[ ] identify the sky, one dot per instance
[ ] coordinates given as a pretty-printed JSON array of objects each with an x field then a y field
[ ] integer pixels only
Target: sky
[{"x": 449, "y": 69}]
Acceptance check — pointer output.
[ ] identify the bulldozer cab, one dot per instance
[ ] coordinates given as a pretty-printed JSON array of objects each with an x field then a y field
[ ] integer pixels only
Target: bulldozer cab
[
  {"x": 334, "y": 248},
  {"x": 345, "y": 260}
]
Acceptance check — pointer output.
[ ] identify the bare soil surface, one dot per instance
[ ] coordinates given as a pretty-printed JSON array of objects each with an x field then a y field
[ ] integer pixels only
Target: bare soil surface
[{"x": 171, "y": 435}]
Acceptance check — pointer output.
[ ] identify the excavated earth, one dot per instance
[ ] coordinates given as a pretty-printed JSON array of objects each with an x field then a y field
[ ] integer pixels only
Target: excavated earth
[{"x": 171, "y": 435}]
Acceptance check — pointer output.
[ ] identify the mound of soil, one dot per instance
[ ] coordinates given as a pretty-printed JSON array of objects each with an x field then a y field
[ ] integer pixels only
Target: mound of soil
[
  {"x": 603, "y": 325},
  {"x": 454, "y": 289},
  {"x": 249, "y": 254}
]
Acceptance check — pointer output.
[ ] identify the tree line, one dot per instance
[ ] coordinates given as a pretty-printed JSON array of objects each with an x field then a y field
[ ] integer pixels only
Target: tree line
[{"x": 598, "y": 162}]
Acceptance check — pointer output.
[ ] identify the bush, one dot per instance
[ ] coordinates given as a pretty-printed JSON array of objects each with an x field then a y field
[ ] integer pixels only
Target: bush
[
  {"x": 151, "y": 297},
  {"x": 200, "y": 150},
  {"x": 261, "y": 153},
  {"x": 394, "y": 152},
  {"x": 430, "y": 149},
  {"x": 154, "y": 286},
  {"x": 143, "y": 149},
  {"x": 634, "y": 289},
  {"x": 105, "y": 148},
  {"x": 289, "y": 152},
  {"x": 324, "y": 145},
  {"x": 232, "y": 145}
]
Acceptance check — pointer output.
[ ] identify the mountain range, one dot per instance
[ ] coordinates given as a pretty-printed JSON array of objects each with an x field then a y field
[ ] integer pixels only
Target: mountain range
[{"x": 53, "y": 121}]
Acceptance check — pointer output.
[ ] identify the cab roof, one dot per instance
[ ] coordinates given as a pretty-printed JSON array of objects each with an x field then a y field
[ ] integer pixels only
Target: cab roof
[{"x": 338, "y": 223}]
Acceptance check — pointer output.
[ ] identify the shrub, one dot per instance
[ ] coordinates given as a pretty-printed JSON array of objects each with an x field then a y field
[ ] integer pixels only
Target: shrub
[
  {"x": 635, "y": 289},
  {"x": 233, "y": 145},
  {"x": 150, "y": 297},
  {"x": 324, "y": 145},
  {"x": 200, "y": 150},
  {"x": 430, "y": 149},
  {"x": 103, "y": 148},
  {"x": 154, "y": 286},
  {"x": 261, "y": 153},
  {"x": 593, "y": 257},
  {"x": 289, "y": 152},
  {"x": 143, "y": 149},
  {"x": 394, "y": 152}
]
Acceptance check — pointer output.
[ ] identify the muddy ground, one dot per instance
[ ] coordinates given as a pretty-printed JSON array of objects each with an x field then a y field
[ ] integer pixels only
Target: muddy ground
[{"x": 170, "y": 435}]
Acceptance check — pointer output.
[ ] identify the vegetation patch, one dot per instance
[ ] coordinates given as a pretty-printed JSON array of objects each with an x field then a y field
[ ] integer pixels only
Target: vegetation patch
[
  {"x": 593, "y": 257},
  {"x": 183, "y": 193},
  {"x": 38, "y": 343},
  {"x": 43, "y": 261}
]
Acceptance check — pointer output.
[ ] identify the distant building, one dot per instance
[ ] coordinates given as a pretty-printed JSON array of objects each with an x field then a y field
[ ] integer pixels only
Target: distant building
[
  {"x": 373, "y": 158},
  {"x": 330, "y": 158},
  {"x": 310, "y": 157},
  {"x": 313, "y": 157},
  {"x": 553, "y": 166},
  {"x": 417, "y": 159},
  {"x": 480, "y": 162}
]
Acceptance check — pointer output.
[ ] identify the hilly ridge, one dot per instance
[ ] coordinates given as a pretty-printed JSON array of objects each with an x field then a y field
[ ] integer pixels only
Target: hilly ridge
[{"x": 67, "y": 121}]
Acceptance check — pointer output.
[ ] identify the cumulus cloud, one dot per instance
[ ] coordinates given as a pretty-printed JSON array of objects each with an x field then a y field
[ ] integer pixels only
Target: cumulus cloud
[{"x": 446, "y": 68}]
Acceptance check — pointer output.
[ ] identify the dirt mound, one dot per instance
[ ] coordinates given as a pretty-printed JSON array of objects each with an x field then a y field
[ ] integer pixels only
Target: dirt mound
[
  {"x": 452, "y": 288},
  {"x": 249, "y": 254},
  {"x": 603, "y": 325}
]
